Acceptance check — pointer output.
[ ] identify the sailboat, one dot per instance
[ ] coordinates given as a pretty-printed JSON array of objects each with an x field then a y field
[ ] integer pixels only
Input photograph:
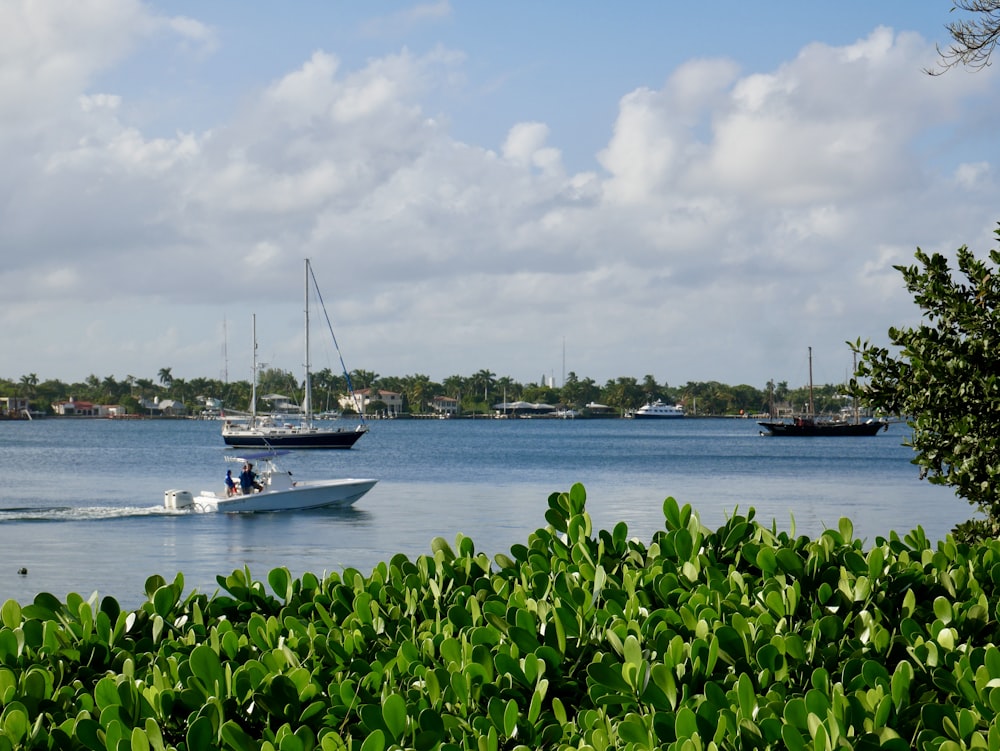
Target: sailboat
[
  {"x": 808, "y": 427},
  {"x": 263, "y": 431}
]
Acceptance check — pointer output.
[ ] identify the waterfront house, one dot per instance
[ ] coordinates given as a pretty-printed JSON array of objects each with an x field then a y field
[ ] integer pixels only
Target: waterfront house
[
  {"x": 393, "y": 401},
  {"x": 444, "y": 405},
  {"x": 73, "y": 408}
]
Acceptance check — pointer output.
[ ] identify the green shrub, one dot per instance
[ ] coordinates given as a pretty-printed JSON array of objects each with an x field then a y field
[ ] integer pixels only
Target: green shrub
[{"x": 742, "y": 637}]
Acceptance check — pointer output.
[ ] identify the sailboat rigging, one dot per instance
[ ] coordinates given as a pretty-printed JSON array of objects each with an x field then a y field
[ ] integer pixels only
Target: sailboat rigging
[
  {"x": 808, "y": 426},
  {"x": 262, "y": 431}
]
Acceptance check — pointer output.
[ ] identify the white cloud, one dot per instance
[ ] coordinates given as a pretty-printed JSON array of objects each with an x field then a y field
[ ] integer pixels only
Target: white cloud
[{"x": 731, "y": 219}]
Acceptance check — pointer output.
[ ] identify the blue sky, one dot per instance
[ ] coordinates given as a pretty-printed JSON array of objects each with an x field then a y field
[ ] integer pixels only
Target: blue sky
[{"x": 695, "y": 193}]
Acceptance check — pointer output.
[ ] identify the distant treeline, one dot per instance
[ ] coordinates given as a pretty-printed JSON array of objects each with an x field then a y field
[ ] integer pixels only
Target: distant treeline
[{"x": 476, "y": 393}]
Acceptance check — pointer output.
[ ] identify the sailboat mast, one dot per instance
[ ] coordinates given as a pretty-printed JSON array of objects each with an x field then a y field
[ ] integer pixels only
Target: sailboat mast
[
  {"x": 307, "y": 398},
  {"x": 857, "y": 414},
  {"x": 253, "y": 376},
  {"x": 811, "y": 408}
]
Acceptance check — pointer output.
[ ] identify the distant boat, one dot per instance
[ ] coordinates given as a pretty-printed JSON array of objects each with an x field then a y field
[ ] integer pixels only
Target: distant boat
[
  {"x": 269, "y": 431},
  {"x": 808, "y": 427},
  {"x": 659, "y": 411},
  {"x": 277, "y": 491}
]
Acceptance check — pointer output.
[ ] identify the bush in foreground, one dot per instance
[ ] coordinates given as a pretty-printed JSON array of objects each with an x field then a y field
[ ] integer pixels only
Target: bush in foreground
[{"x": 740, "y": 638}]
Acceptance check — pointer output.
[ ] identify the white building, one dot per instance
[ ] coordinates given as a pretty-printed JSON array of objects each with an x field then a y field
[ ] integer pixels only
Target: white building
[
  {"x": 393, "y": 401},
  {"x": 444, "y": 405}
]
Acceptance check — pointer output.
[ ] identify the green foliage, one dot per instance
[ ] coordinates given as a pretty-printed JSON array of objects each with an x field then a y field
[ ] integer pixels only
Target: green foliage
[
  {"x": 742, "y": 637},
  {"x": 476, "y": 393},
  {"x": 945, "y": 377}
]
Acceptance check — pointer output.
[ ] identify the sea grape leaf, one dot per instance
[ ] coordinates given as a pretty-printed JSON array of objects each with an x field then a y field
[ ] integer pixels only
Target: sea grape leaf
[
  {"x": 16, "y": 722},
  {"x": 439, "y": 544},
  {"x": 10, "y": 614},
  {"x": 153, "y": 583},
  {"x": 139, "y": 740},
  {"x": 206, "y": 665},
  {"x": 374, "y": 742},
  {"x": 789, "y": 562},
  {"x": 280, "y": 580},
  {"x": 394, "y": 715},
  {"x": 510, "y": 717},
  {"x": 236, "y": 737},
  {"x": 672, "y": 513},
  {"x": 607, "y": 676},
  {"x": 686, "y": 724},
  {"x": 164, "y": 600},
  {"x": 200, "y": 733},
  {"x": 846, "y": 529}
]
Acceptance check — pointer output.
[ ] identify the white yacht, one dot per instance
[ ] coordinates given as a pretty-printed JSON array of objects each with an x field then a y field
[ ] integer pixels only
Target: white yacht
[{"x": 659, "y": 410}]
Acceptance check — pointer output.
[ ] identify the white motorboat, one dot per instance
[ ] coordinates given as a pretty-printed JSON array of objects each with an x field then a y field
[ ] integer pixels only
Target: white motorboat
[
  {"x": 277, "y": 491},
  {"x": 659, "y": 410}
]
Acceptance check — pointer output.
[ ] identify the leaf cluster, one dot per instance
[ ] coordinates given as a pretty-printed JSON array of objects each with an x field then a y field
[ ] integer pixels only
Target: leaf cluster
[
  {"x": 739, "y": 638},
  {"x": 946, "y": 374}
]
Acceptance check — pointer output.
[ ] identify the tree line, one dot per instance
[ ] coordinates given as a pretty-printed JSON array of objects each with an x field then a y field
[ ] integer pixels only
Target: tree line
[{"x": 476, "y": 393}]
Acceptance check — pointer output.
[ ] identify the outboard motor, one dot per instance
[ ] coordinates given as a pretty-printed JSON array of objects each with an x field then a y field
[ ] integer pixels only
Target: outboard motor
[{"x": 178, "y": 500}]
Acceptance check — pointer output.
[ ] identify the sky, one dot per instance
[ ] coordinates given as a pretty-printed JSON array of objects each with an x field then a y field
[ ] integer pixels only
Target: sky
[{"x": 692, "y": 191}]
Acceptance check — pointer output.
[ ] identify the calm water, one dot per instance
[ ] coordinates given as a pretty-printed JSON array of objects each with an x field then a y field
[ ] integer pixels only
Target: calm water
[{"x": 81, "y": 501}]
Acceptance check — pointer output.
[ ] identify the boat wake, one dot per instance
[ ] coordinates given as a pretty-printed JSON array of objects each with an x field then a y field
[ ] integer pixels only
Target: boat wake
[{"x": 77, "y": 513}]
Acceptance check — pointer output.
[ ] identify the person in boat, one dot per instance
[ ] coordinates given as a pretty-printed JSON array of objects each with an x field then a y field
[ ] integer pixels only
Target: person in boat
[
  {"x": 230, "y": 483},
  {"x": 248, "y": 480}
]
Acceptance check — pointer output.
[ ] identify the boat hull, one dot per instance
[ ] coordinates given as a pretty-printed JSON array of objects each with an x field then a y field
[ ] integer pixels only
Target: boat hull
[
  {"x": 302, "y": 496},
  {"x": 293, "y": 438},
  {"x": 821, "y": 430}
]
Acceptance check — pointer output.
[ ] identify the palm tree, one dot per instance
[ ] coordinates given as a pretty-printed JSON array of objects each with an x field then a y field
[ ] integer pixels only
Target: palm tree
[
  {"x": 650, "y": 388},
  {"x": 623, "y": 393},
  {"x": 363, "y": 379},
  {"x": 28, "y": 384},
  {"x": 416, "y": 389},
  {"x": 511, "y": 389},
  {"x": 482, "y": 381},
  {"x": 146, "y": 386},
  {"x": 110, "y": 386},
  {"x": 454, "y": 385},
  {"x": 579, "y": 393},
  {"x": 165, "y": 377}
]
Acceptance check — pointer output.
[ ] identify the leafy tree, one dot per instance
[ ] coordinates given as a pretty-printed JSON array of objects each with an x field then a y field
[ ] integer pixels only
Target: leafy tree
[
  {"x": 417, "y": 389},
  {"x": 945, "y": 378},
  {"x": 327, "y": 386},
  {"x": 482, "y": 382},
  {"x": 363, "y": 379},
  {"x": 454, "y": 385},
  {"x": 748, "y": 398},
  {"x": 146, "y": 386},
  {"x": 278, "y": 381},
  {"x": 540, "y": 393},
  {"x": 28, "y": 384},
  {"x": 650, "y": 388},
  {"x": 577, "y": 392},
  {"x": 510, "y": 388},
  {"x": 625, "y": 393}
]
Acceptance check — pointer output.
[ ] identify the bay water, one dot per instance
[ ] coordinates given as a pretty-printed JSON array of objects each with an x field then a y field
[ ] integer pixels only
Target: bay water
[{"x": 81, "y": 501}]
